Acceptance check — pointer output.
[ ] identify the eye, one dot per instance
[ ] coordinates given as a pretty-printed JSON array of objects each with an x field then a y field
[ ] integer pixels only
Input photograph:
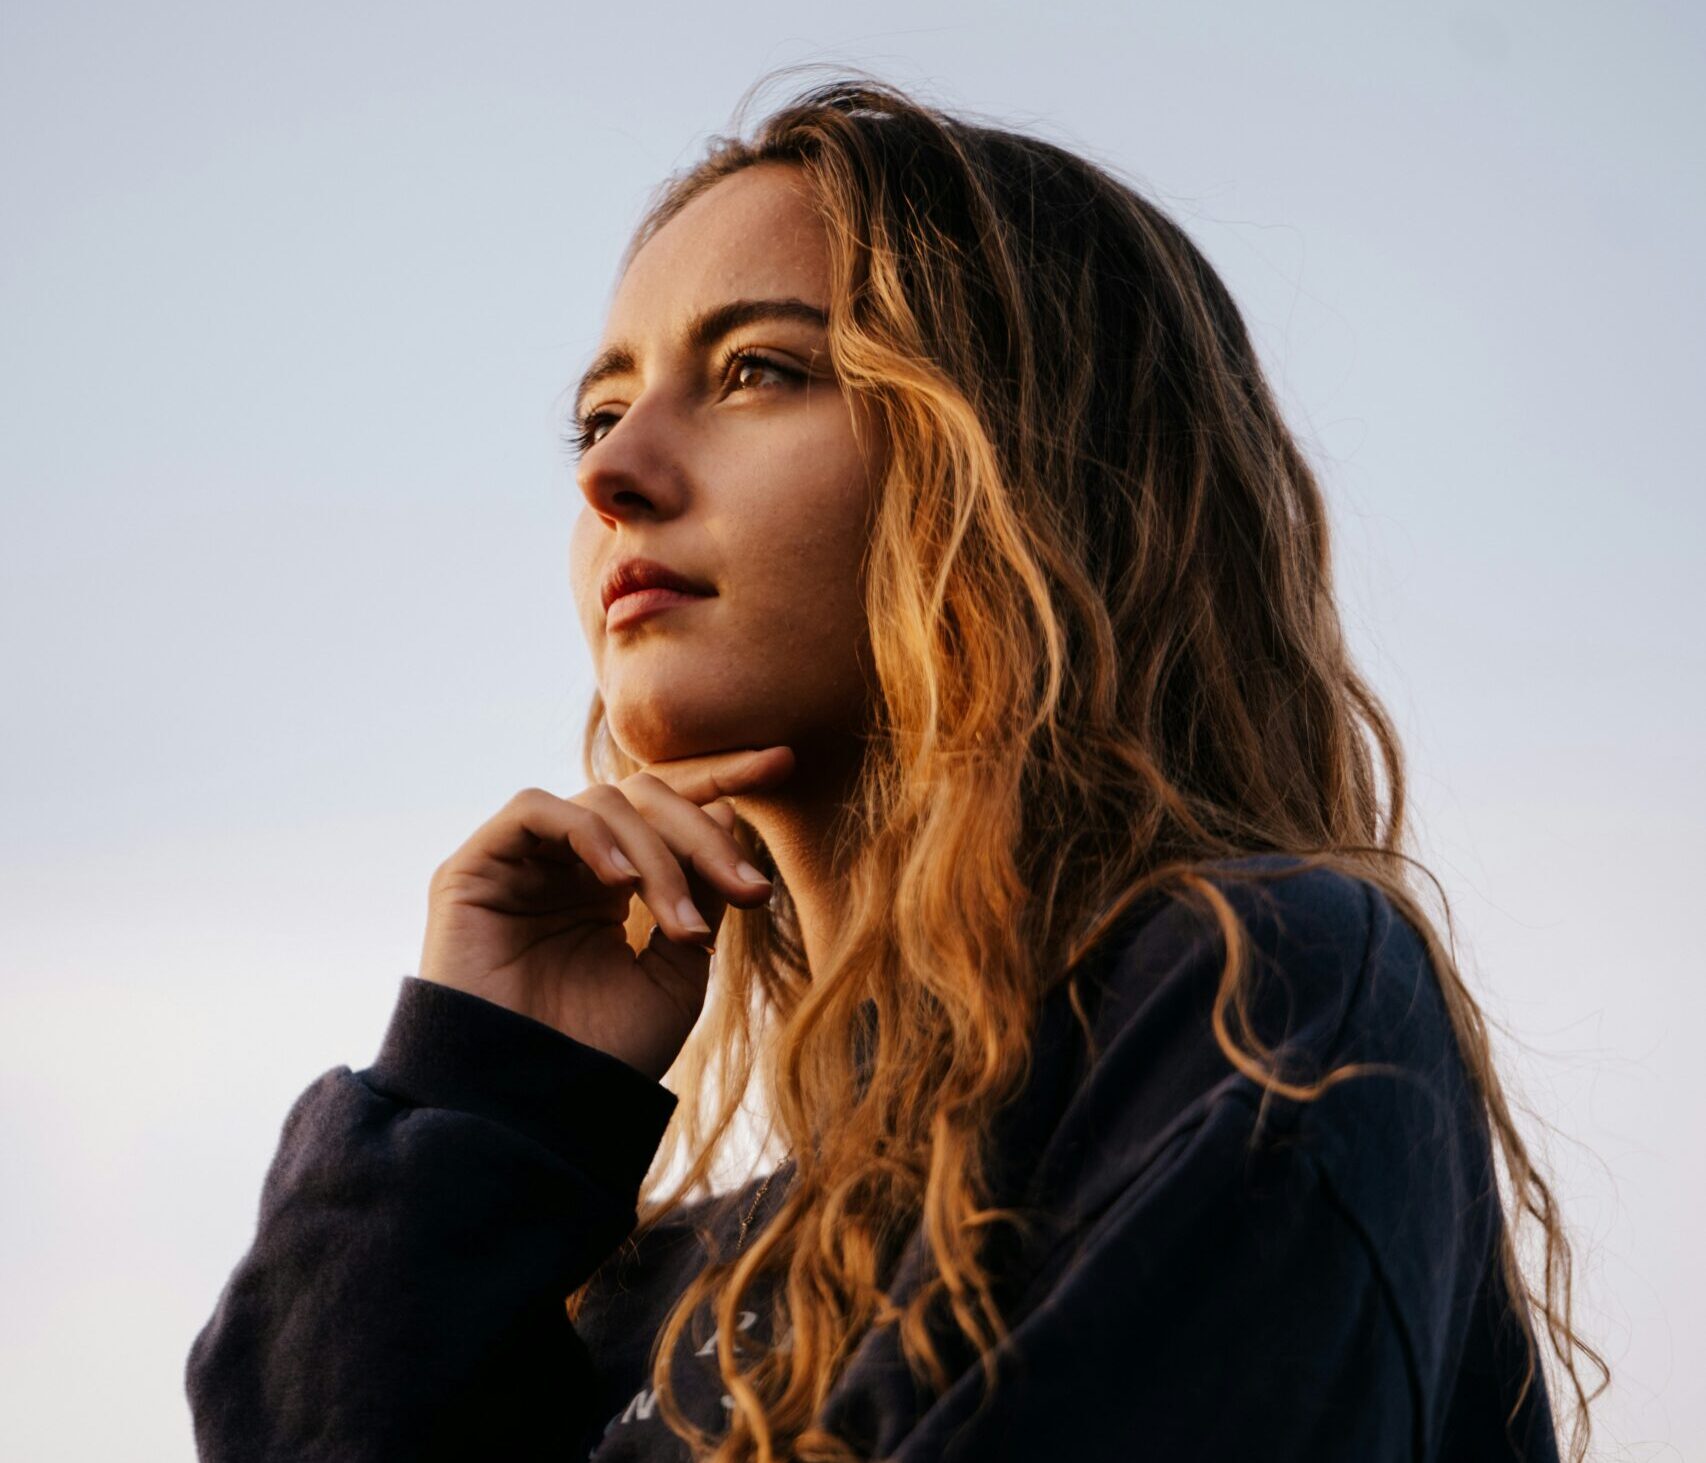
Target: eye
[
  {"x": 584, "y": 431},
  {"x": 737, "y": 369},
  {"x": 737, "y": 365}
]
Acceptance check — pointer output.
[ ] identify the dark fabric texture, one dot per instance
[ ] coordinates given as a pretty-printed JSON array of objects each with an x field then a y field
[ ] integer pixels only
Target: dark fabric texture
[{"x": 1210, "y": 1274}]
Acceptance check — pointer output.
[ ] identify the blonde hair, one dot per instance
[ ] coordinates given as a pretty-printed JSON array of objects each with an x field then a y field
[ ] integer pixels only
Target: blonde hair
[{"x": 1108, "y": 655}]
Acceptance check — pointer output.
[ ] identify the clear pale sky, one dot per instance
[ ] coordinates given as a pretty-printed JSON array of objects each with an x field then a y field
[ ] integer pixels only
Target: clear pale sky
[{"x": 289, "y": 297}]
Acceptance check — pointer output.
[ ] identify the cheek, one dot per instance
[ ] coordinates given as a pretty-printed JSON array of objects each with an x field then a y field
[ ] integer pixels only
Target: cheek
[
  {"x": 817, "y": 510},
  {"x": 580, "y": 542},
  {"x": 583, "y": 546},
  {"x": 798, "y": 588}
]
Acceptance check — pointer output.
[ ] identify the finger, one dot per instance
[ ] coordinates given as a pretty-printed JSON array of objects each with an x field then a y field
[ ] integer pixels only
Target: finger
[
  {"x": 689, "y": 961},
  {"x": 663, "y": 880},
  {"x": 726, "y": 818},
  {"x": 537, "y": 825},
  {"x": 713, "y": 906},
  {"x": 698, "y": 838}
]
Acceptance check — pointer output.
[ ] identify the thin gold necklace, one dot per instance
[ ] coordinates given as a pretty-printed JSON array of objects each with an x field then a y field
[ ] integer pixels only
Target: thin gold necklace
[{"x": 756, "y": 1200}]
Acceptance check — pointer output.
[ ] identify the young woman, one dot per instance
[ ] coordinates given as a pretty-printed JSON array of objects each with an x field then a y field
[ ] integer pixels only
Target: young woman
[{"x": 970, "y": 679}]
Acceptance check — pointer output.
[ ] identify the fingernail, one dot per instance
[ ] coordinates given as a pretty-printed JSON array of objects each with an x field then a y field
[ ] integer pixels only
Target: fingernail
[
  {"x": 750, "y": 874},
  {"x": 691, "y": 917},
  {"x": 621, "y": 861}
]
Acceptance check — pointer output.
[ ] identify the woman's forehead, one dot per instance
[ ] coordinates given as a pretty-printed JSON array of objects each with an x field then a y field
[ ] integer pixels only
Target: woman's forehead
[{"x": 755, "y": 232}]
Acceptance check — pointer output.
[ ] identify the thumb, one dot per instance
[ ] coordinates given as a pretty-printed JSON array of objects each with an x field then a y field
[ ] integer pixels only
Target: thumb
[{"x": 725, "y": 774}]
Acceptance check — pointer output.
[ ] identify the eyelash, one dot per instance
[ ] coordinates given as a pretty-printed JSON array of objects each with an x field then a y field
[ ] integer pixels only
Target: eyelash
[{"x": 580, "y": 438}]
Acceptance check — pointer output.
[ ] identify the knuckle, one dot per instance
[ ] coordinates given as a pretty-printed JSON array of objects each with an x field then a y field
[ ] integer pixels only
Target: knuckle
[
  {"x": 601, "y": 795},
  {"x": 447, "y": 879}
]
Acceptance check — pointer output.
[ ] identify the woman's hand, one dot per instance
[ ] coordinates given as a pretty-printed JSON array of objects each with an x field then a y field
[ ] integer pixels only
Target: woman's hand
[{"x": 531, "y": 911}]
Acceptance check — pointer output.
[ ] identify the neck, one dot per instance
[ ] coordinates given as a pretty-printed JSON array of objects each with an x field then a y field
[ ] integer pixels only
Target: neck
[{"x": 797, "y": 822}]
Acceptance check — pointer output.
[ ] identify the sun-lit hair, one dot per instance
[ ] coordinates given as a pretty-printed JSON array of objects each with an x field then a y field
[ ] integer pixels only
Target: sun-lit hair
[{"x": 1108, "y": 654}]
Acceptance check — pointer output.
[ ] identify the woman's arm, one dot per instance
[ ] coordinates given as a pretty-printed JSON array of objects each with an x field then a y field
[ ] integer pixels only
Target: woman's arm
[{"x": 419, "y": 1228}]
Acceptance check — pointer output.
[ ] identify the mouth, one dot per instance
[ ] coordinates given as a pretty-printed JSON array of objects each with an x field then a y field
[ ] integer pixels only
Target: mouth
[
  {"x": 642, "y": 604},
  {"x": 627, "y": 575}
]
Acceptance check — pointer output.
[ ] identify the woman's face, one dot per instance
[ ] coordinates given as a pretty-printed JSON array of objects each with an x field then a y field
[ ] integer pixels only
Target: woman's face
[{"x": 724, "y": 449}]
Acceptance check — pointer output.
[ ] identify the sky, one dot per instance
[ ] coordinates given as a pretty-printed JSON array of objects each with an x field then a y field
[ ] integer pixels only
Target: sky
[{"x": 290, "y": 300}]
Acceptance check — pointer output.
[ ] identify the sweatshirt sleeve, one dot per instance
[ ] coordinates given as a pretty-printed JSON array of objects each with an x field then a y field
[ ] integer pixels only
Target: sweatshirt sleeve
[
  {"x": 419, "y": 1227},
  {"x": 1223, "y": 1307}
]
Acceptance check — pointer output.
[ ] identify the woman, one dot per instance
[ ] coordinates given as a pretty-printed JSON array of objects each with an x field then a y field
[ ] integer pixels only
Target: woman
[{"x": 967, "y": 659}]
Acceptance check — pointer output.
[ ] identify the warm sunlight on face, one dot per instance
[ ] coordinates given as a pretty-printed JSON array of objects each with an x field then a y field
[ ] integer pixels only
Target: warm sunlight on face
[{"x": 728, "y": 455}]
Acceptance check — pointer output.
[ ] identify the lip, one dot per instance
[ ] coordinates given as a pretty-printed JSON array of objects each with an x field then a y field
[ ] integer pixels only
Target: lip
[
  {"x": 627, "y": 575},
  {"x": 641, "y": 604}
]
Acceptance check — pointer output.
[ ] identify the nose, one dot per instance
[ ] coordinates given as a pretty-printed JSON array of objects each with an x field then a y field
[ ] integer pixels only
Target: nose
[{"x": 635, "y": 470}]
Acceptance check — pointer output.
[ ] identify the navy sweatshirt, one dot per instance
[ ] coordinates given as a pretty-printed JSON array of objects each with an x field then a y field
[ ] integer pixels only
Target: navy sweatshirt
[{"x": 1209, "y": 1279}]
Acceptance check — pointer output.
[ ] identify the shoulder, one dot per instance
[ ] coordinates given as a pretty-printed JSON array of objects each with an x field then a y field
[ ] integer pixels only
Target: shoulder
[
  {"x": 1336, "y": 975},
  {"x": 1332, "y": 974},
  {"x": 1365, "y": 1212},
  {"x": 1328, "y": 963}
]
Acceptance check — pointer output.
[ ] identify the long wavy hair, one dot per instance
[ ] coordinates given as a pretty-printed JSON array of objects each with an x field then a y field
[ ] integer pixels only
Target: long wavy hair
[{"x": 1108, "y": 653}]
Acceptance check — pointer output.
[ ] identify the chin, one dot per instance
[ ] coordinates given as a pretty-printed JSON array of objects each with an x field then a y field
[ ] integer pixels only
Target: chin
[
  {"x": 651, "y": 730},
  {"x": 726, "y": 715}
]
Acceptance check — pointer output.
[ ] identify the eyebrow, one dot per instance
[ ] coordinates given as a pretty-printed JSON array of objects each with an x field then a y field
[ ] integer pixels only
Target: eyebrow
[{"x": 702, "y": 332}]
